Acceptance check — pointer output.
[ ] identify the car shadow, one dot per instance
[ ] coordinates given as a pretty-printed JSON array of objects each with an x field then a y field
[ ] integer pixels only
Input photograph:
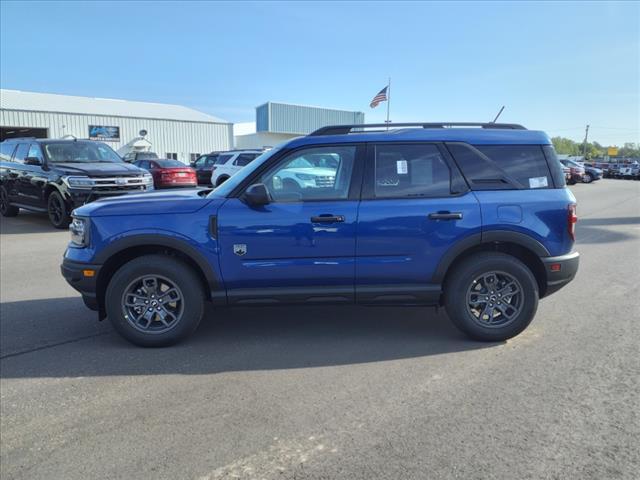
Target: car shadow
[
  {"x": 61, "y": 338},
  {"x": 26, "y": 222},
  {"x": 602, "y": 230}
]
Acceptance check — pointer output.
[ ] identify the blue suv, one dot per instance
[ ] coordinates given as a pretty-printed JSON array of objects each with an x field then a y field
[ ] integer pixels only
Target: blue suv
[{"x": 474, "y": 217}]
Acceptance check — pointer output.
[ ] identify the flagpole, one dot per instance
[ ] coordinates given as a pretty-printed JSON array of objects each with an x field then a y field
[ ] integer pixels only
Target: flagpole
[{"x": 388, "y": 101}]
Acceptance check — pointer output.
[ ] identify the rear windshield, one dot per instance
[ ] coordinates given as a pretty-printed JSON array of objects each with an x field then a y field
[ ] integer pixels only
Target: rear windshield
[
  {"x": 167, "y": 163},
  {"x": 497, "y": 167},
  {"x": 146, "y": 155}
]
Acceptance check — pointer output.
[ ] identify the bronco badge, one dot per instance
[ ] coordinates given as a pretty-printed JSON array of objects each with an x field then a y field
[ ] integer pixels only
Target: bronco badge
[{"x": 240, "y": 249}]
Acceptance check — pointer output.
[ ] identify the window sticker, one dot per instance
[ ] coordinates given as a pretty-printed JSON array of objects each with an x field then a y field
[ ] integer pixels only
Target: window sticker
[
  {"x": 538, "y": 182},
  {"x": 402, "y": 167}
]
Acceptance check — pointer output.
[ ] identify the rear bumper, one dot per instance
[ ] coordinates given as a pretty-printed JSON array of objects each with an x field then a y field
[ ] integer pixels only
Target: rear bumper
[
  {"x": 560, "y": 271},
  {"x": 75, "y": 275}
]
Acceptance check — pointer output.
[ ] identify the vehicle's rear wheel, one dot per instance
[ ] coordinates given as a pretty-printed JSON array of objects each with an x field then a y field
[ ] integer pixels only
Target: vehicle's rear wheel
[
  {"x": 221, "y": 180},
  {"x": 491, "y": 296},
  {"x": 587, "y": 178},
  {"x": 57, "y": 210},
  {"x": 6, "y": 209},
  {"x": 155, "y": 301}
]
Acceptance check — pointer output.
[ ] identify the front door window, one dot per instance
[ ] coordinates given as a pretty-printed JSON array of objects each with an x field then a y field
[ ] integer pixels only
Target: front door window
[{"x": 319, "y": 173}]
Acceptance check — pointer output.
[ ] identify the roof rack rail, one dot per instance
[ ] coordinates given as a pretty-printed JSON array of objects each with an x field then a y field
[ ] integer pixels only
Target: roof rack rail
[{"x": 344, "y": 129}]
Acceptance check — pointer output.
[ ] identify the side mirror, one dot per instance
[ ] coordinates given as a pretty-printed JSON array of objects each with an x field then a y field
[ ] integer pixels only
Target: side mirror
[
  {"x": 257, "y": 194},
  {"x": 32, "y": 161}
]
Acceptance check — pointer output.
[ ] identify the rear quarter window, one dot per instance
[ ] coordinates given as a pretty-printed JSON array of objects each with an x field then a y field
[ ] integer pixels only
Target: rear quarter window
[{"x": 501, "y": 167}]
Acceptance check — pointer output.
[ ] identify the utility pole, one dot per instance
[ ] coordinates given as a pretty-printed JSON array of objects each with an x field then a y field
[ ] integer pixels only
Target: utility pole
[{"x": 584, "y": 145}]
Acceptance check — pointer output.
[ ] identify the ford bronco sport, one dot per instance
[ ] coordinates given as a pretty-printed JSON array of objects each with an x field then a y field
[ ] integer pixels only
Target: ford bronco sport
[{"x": 474, "y": 217}]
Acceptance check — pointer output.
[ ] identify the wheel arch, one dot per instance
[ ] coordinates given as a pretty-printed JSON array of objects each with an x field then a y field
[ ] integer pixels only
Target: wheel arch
[
  {"x": 521, "y": 246},
  {"x": 221, "y": 179},
  {"x": 120, "y": 252}
]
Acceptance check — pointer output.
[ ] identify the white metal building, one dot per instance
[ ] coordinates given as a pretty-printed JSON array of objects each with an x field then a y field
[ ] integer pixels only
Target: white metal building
[
  {"x": 278, "y": 122},
  {"x": 173, "y": 130}
]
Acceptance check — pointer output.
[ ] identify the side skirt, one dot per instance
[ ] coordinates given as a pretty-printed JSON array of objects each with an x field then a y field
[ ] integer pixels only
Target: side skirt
[{"x": 329, "y": 295}]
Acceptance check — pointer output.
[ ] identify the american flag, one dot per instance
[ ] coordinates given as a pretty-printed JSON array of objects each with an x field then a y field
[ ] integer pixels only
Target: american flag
[{"x": 380, "y": 97}]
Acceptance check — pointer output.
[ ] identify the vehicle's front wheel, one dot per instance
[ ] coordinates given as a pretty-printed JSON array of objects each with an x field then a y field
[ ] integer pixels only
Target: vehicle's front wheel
[
  {"x": 6, "y": 209},
  {"x": 155, "y": 301},
  {"x": 57, "y": 210},
  {"x": 221, "y": 180},
  {"x": 587, "y": 178},
  {"x": 491, "y": 296}
]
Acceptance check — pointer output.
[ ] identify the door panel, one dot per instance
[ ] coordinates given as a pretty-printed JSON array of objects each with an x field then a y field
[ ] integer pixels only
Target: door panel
[
  {"x": 27, "y": 177},
  {"x": 302, "y": 244},
  {"x": 399, "y": 244},
  {"x": 281, "y": 247},
  {"x": 407, "y": 220}
]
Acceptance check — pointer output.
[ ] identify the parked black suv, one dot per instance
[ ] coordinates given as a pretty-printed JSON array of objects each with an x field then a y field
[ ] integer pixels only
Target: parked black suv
[{"x": 55, "y": 176}]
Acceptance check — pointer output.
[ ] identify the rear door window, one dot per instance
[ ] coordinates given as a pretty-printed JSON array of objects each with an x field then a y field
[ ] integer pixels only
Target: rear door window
[
  {"x": 496, "y": 167},
  {"x": 245, "y": 159},
  {"x": 222, "y": 159},
  {"x": 6, "y": 151},
  {"x": 410, "y": 171}
]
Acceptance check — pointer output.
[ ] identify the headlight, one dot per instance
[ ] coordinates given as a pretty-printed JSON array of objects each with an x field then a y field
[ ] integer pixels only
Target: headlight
[
  {"x": 78, "y": 182},
  {"x": 79, "y": 230},
  {"x": 148, "y": 180}
]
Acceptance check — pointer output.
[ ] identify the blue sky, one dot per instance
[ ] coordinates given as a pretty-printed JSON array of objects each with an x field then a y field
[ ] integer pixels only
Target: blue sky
[{"x": 556, "y": 66}]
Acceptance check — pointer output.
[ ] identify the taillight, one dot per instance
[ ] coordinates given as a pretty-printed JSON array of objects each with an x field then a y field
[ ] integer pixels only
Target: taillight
[{"x": 572, "y": 219}]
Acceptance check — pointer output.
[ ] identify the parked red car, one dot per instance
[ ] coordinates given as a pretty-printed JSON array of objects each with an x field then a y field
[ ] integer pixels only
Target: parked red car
[{"x": 169, "y": 173}]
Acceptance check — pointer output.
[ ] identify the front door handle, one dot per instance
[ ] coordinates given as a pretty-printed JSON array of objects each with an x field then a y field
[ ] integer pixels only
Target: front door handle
[
  {"x": 327, "y": 219},
  {"x": 445, "y": 216}
]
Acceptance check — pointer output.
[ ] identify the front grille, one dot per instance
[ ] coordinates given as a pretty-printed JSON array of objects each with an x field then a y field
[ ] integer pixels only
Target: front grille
[
  {"x": 325, "y": 181},
  {"x": 119, "y": 184}
]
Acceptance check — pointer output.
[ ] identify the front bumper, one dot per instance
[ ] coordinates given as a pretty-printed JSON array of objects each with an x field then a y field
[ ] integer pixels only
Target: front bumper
[
  {"x": 76, "y": 275},
  {"x": 560, "y": 271},
  {"x": 78, "y": 197}
]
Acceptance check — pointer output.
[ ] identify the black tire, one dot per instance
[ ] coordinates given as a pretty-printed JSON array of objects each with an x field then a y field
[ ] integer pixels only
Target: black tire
[
  {"x": 587, "y": 178},
  {"x": 7, "y": 210},
  {"x": 457, "y": 292},
  {"x": 175, "y": 272},
  {"x": 221, "y": 180},
  {"x": 571, "y": 181},
  {"x": 58, "y": 211}
]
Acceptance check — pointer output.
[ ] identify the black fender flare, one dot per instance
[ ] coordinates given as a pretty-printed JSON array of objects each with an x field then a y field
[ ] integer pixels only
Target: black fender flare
[
  {"x": 159, "y": 240},
  {"x": 492, "y": 236}
]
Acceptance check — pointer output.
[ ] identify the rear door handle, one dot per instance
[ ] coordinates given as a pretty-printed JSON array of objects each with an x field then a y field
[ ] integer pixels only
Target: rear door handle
[
  {"x": 327, "y": 219},
  {"x": 445, "y": 216}
]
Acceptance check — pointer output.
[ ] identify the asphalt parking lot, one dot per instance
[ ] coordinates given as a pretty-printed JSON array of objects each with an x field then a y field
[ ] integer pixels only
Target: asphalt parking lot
[{"x": 349, "y": 392}]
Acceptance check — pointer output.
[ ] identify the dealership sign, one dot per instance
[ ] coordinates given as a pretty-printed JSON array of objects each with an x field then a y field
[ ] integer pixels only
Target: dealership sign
[{"x": 100, "y": 132}]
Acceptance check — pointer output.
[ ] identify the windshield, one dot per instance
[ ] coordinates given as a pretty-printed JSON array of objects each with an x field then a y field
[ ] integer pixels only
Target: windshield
[
  {"x": 227, "y": 187},
  {"x": 80, "y": 152}
]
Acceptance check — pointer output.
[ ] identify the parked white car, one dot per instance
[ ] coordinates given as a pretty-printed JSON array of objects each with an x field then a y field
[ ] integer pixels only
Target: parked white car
[{"x": 229, "y": 163}]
